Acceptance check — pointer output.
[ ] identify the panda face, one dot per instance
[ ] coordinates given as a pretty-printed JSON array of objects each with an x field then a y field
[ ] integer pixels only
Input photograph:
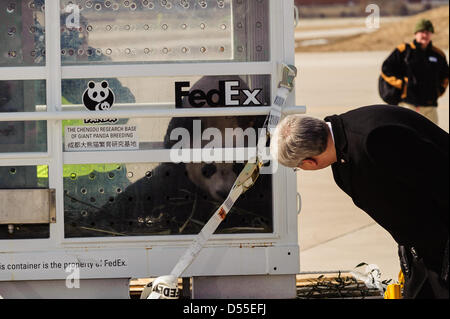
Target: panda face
[
  {"x": 216, "y": 179},
  {"x": 98, "y": 92}
]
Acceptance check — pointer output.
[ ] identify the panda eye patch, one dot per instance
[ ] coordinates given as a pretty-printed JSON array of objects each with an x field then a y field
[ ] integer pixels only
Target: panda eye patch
[
  {"x": 102, "y": 94},
  {"x": 209, "y": 170},
  {"x": 94, "y": 94}
]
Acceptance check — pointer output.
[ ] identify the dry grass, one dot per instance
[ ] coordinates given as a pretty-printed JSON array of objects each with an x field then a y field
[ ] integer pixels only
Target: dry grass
[{"x": 390, "y": 35}]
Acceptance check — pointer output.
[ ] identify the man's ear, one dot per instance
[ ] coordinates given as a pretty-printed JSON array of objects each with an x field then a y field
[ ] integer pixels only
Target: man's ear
[{"x": 309, "y": 164}]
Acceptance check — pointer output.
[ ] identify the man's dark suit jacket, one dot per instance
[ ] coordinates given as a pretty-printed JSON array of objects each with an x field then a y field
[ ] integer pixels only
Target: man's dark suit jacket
[{"x": 394, "y": 164}]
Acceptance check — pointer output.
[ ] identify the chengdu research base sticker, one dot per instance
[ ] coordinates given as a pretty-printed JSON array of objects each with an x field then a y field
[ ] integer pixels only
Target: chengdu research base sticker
[
  {"x": 98, "y": 96},
  {"x": 101, "y": 138}
]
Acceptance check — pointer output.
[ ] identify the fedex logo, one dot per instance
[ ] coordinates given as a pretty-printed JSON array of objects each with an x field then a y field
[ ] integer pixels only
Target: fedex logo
[{"x": 227, "y": 94}]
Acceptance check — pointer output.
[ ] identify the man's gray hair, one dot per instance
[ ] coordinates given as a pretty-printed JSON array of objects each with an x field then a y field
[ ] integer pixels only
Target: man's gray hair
[{"x": 297, "y": 138}]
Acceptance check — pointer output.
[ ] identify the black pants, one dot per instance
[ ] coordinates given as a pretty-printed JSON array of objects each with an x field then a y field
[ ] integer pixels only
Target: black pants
[{"x": 421, "y": 280}]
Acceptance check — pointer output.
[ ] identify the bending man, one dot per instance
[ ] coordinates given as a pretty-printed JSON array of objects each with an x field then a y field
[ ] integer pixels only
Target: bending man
[{"x": 394, "y": 164}]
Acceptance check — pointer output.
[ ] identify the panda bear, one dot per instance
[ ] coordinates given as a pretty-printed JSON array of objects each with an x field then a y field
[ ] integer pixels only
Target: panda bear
[
  {"x": 180, "y": 198},
  {"x": 98, "y": 96}
]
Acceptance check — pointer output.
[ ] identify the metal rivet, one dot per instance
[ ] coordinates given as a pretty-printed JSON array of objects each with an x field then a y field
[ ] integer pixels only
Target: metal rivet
[
  {"x": 12, "y": 31},
  {"x": 185, "y": 4},
  {"x": 11, "y": 8}
]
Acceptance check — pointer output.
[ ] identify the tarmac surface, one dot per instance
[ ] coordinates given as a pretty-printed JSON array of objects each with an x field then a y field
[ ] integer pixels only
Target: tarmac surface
[{"x": 335, "y": 235}]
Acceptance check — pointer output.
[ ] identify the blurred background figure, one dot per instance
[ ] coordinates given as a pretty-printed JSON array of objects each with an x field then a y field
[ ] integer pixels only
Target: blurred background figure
[{"x": 419, "y": 70}]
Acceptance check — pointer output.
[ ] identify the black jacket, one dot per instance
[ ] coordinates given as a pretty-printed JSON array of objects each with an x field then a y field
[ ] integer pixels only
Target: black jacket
[
  {"x": 394, "y": 164},
  {"x": 422, "y": 75}
]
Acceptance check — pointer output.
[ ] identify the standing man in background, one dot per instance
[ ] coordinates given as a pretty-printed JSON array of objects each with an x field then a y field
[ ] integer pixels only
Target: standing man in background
[{"x": 420, "y": 71}]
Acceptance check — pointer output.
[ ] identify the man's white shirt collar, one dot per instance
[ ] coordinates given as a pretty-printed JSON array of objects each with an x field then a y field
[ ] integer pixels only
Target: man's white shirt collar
[{"x": 331, "y": 130}]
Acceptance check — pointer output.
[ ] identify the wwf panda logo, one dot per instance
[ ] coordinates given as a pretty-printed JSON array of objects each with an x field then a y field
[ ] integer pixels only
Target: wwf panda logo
[{"x": 98, "y": 96}]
